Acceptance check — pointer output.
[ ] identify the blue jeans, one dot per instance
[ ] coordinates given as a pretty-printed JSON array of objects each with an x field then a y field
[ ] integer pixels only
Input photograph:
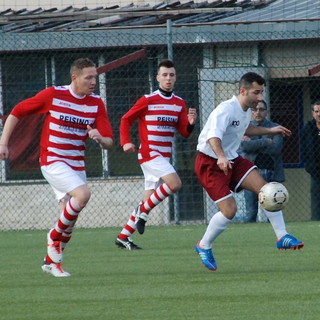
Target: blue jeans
[
  {"x": 315, "y": 198},
  {"x": 251, "y": 198}
]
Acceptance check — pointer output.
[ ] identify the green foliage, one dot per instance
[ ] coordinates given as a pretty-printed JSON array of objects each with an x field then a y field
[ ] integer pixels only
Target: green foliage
[{"x": 165, "y": 280}]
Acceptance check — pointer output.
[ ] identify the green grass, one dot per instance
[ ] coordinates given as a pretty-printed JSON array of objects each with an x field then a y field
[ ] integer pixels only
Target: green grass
[{"x": 166, "y": 280}]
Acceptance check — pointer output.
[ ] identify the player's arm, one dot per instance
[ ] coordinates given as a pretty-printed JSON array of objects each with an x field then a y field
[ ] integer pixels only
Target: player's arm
[
  {"x": 192, "y": 116},
  {"x": 259, "y": 131},
  {"x": 126, "y": 122},
  {"x": 94, "y": 134},
  {"x": 102, "y": 131},
  {"x": 187, "y": 121},
  {"x": 129, "y": 147},
  {"x": 223, "y": 163},
  {"x": 36, "y": 104},
  {"x": 8, "y": 128}
]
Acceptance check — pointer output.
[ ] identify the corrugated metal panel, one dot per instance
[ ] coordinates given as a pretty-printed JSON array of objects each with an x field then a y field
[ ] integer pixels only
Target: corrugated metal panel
[
  {"x": 279, "y": 10},
  {"x": 81, "y": 18}
]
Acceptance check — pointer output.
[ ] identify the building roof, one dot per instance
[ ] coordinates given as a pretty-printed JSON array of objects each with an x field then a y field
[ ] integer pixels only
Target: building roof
[
  {"x": 205, "y": 22},
  {"x": 280, "y": 10},
  {"x": 180, "y": 13}
]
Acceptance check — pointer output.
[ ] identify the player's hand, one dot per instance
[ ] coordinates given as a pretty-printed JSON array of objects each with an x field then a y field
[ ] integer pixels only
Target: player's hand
[
  {"x": 94, "y": 134},
  {"x": 129, "y": 147},
  {"x": 281, "y": 130},
  {"x": 4, "y": 152},
  {"x": 224, "y": 164},
  {"x": 192, "y": 116},
  {"x": 246, "y": 138}
]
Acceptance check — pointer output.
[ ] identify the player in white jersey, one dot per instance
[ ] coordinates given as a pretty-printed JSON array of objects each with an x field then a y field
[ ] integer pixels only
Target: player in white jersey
[
  {"x": 73, "y": 113},
  {"x": 222, "y": 171},
  {"x": 160, "y": 115},
  {"x": 228, "y": 121}
]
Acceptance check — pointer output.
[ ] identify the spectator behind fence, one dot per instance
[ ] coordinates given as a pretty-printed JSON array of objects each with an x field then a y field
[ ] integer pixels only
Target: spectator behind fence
[
  {"x": 160, "y": 114},
  {"x": 310, "y": 143},
  {"x": 221, "y": 170},
  {"x": 73, "y": 113},
  {"x": 265, "y": 152}
]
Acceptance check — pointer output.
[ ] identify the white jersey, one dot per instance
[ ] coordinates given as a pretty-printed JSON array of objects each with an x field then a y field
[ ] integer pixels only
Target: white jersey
[{"x": 228, "y": 122}]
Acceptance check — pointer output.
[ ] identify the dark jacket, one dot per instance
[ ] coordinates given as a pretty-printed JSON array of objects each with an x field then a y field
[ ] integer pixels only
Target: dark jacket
[
  {"x": 310, "y": 147},
  {"x": 260, "y": 145}
]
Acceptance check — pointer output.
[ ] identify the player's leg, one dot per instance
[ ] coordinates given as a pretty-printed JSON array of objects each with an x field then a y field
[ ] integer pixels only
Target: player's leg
[
  {"x": 60, "y": 235},
  {"x": 216, "y": 183},
  {"x": 170, "y": 184},
  {"x": 73, "y": 194},
  {"x": 123, "y": 239},
  {"x": 253, "y": 181},
  {"x": 66, "y": 234},
  {"x": 219, "y": 222},
  {"x": 78, "y": 198},
  {"x": 161, "y": 181}
]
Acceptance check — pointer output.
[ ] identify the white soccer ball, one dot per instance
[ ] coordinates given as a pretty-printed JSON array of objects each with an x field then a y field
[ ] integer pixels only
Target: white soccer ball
[{"x": 273, "y": 196}]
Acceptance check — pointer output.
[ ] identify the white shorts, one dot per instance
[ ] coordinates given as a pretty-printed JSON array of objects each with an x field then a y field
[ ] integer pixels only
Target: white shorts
[
  {"x": 63, "y": 178},
  {"x": 154, "y": 170}
]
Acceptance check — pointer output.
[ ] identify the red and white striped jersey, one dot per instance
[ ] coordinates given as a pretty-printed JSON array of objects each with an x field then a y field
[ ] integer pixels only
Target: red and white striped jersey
[
  {"x": 65, "y": 126},
  {"x": 159, "y": 118}
]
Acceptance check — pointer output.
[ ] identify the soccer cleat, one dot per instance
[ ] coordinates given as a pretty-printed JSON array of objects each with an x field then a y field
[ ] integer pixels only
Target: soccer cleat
[
  {"x": 141, "y": 219},
  {"x": 289, "y": 242},
  {"x": 127, "y": 244},
  {"x": 55, "y": 269},
  {"x": 54, "y": 249},
  {"x": 206, "y": 257}
]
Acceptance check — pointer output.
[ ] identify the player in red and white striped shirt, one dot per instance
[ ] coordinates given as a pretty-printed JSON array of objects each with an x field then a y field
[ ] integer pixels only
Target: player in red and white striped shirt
[
  {"x": 73, "y": 113},
  {"x": 160, "y": 115}
]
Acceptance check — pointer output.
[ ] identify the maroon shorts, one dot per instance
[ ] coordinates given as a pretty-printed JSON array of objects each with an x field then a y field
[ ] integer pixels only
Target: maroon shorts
[{"x": 215, "y": 182}]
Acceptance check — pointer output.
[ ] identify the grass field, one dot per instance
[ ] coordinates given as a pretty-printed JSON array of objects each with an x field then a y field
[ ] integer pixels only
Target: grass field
[{"x": 166, "y": 280}]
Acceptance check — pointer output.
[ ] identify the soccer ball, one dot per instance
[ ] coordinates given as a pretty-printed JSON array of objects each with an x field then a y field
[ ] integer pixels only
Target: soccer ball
[{"x": 273, "y": 196}]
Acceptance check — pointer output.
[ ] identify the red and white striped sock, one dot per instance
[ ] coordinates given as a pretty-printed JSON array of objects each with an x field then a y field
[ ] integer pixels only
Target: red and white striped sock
[
  {"x": 65, "y": 238},
  {"x": 162, "y": 192},
  {"x": 67, "y": 219},
  {"x": 66, "y": 235},
  {"x": 129, "y": 228},
  {"x": 64, "y": 227}
]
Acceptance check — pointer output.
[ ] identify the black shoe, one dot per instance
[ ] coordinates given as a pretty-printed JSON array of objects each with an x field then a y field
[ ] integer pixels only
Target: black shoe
[
  {"x": 126, "y": 244},
  {"x": 140, "y": 224},
  {"x": 140, "y": 220}
]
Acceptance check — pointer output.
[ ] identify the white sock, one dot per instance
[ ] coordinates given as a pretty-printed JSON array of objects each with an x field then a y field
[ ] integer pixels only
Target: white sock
[
  {"x": 217, "y": 225},
  {"x": 277, "y": 222}
]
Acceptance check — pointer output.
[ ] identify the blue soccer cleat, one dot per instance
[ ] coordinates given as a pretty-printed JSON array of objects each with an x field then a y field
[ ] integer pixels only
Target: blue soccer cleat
[
  {"x": 206, "y": 257},
  {"x": 289, "y": 242}
]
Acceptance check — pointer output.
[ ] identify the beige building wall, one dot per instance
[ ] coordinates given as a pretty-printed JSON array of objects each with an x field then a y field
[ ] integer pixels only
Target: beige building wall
[
  {"x": 45, "y": 209},
  {"x": 295, "y": 59}
]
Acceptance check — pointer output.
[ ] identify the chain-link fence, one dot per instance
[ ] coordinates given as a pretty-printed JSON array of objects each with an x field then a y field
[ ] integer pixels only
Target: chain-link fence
[{"x": 209, "y": 65}]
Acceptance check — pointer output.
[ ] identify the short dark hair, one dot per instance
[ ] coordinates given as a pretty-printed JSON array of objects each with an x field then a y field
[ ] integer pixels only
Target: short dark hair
[
  {"x": 80, "y": 64},
  {"x": 166, "y": 64},
  {"x": 264, "y": 104},
  {"x": 248, "y": 78},
  {"x": 316, "y": 103}
]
